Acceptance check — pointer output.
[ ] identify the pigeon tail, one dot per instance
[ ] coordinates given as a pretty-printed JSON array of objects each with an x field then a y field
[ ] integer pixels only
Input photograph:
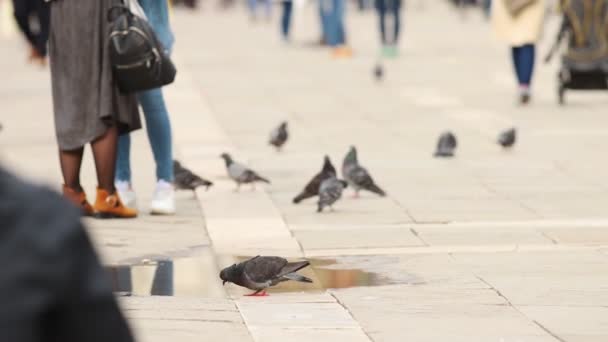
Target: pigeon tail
[
  {"x": 376, "y": 189},
  {"x": 261, "y": 179},
  {"x": 298, "y": 277},
  {"x": 293, "y": 267},
  {"x": 301, "y": 197}
]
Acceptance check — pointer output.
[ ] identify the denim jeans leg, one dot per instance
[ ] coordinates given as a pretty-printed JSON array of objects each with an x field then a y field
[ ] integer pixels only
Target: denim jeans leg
[
  {"x": 527, "y": 55},
  {"x": 123, "y": 164},
  {"x": 158, "y": 127}
]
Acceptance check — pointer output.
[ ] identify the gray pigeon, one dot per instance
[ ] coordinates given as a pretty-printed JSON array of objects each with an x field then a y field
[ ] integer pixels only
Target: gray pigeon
[
  {"x": 330, "y": 192},
  {"x": 240, "y": 173},
  {"x": 279, "y": 136},
  {"x": 357, "y": 176},
  {"x": 262, "y": 272},
  {"x": 186, "y": 179},
  {"x": 312, "y": 188},
  {"x": 379, "y": 72},
  {"x": 446, "y": 145},
  {"x": 507, "y": 138}
]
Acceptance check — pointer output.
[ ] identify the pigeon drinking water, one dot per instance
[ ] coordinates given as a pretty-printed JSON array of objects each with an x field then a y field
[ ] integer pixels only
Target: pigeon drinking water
[
  {"x": 507, "y": 138},
  {"x": 186, "y": 179},
  {"x": 446, "y": 145},
  {"x": 240, "y": 173},
  {"x": 357, "y": 176},
  {"x": 330, "y": 192},
  {"x": 262, "y": 272},
  {"x": 312, "y": 188},
  {"x": 279, "y": 136}
]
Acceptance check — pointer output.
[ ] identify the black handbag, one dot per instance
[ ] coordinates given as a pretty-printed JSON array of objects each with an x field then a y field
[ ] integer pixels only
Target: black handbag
[{"x": 139, "y": 60}]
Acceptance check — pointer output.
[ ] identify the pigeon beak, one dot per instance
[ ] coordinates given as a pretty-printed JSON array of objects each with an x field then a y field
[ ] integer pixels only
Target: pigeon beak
[{"x": 224, "y": 282}]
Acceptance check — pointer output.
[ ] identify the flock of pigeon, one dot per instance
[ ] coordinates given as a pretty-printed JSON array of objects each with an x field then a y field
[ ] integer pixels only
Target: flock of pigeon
[
  {"x": 325, "y": 184},
  {"x": 262, "y": 272}
]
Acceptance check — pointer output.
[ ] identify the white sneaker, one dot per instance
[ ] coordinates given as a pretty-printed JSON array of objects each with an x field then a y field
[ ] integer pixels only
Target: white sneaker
[
  {"x": 163, "y": 202},
  {"x": 126, "y": 194}
]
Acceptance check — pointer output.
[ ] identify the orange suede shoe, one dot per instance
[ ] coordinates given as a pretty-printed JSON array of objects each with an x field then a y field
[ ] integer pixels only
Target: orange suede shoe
[
  {"x": 110, "y": 206},
  {"x": 79, "y": 199}
]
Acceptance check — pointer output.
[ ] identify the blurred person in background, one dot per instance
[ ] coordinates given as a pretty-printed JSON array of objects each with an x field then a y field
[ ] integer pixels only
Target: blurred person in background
[
  {"x": 392, "y": 8},
  {"x": 253, "y": 9},
  {"x": 52, "y": 286},
  {"x": 87, "y": 105},
  {"x": 287, "y": 6},
  {"x": 333, "y": 10},
  {"x": 521, "y": 32},
  {"x": 33, "y": 17},
  {"x": 158, "y": 127}
]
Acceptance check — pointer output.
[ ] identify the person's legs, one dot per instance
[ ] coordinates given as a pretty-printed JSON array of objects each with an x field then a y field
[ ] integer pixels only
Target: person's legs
[
  {"x": 104, "y": 153},
  {"x": 381, "y": 8},
  {"x": 339, "y": 8},
  {"x": 158, "y": 127},
  {"x": 43, "y": 12},
  {"x": 396, "y": 10},
  {"x": 22, "y": 10},
  {"x": 329, "y": 11},
  {"x": 286, "y": 18},
  {"x": 527, "y": 56},
  {"x": 123, "y": 159},
  {"x": 516, "y": 53},
  {"x": 70, "y": 162},
  {"x": 108, "y": 203}
]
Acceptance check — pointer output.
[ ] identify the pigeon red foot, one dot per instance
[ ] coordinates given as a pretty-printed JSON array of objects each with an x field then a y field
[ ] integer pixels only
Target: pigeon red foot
[{"x": 258, "y": 294}]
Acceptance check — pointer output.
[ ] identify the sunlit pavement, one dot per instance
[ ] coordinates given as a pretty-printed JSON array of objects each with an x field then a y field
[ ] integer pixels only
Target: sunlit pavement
[{"x": 490, "y": 245}]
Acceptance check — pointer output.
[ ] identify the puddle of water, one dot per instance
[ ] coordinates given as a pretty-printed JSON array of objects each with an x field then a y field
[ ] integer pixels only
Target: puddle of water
[{"x": 198, "y": 276}]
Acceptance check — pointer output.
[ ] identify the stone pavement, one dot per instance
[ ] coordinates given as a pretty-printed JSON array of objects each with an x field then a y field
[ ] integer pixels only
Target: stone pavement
[{"x": 488, "y": 246}]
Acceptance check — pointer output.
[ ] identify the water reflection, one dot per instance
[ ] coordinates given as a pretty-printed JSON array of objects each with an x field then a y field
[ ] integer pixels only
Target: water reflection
[{"x": 198, "y": 276}]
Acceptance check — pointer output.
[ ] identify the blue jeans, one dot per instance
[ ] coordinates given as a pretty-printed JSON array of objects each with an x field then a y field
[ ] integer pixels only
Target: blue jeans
[
  {"x": 523, "y": 60},
  {"x": 286, "y": 18},
  {"x": 334, "y": 12},
  {"x": 152, "y": 102}
]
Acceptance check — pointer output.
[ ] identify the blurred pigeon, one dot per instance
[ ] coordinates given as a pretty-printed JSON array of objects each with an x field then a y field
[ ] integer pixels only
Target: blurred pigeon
[
  {"x": 240, "y": 173},
  {"x": 507, "y": 138},
  {"x": 330, "y": 192},
  {"x": 186, "y": 179},
  {"x": 357, "y": 176},
  {"x": 379, "y": 72},
  {"x": 279, "y": 136},
  {"x": 446, "y": 145},
  {"x": 312, "y": 188},
  {"x": 262, "y": 272}
]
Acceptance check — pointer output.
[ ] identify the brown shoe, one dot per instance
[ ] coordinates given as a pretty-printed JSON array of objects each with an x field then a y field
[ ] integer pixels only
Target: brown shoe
[
  {"x": 110, "y": 206},
  {"x": 79, "y": 199}
]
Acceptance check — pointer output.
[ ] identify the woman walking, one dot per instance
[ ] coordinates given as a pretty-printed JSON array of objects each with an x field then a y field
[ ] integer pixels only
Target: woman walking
[
  {"x": 521, "y": 30},
  {"x": 87, "y": 105},
  {"x": 158, "y": 127},
  {"x": 384, "y": 8}
]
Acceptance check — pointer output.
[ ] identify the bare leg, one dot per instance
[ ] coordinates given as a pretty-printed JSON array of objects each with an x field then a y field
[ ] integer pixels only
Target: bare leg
[
  {"x": 70, "y": 162},
  {"x": 104, "y": 153}
]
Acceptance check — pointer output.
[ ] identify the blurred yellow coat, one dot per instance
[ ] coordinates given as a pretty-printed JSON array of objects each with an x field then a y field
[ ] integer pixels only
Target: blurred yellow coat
[{"x": 522, "y": 29}]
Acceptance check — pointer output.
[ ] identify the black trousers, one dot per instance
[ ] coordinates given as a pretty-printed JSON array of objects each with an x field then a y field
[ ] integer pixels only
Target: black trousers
[{"x": 33, "y": 18}]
